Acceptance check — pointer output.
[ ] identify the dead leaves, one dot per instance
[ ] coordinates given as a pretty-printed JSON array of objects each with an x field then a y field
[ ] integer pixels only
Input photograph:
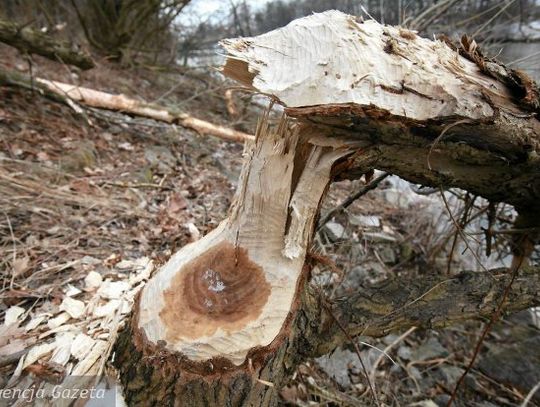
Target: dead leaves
[{"x": 20, "y": 266}]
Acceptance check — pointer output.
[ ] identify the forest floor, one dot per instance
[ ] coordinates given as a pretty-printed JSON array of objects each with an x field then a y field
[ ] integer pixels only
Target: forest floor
[{"x": 91, "y": 202}]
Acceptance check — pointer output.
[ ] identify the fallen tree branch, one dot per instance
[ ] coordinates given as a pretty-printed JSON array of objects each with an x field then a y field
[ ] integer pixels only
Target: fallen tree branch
[
  {"x": 64, "y": 92},
  {"x": 434, "y": 117},
  {"x": 31, "y": 41},
  {"x": 428, "y": 302}
]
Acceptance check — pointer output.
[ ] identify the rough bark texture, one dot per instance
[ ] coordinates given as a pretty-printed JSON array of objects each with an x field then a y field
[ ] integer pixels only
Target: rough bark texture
[{"x": 34, "y": 42}]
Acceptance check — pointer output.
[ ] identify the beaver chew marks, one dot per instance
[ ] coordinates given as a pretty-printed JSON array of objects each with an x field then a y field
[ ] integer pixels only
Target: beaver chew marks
[{"x": 221, "y": 288}]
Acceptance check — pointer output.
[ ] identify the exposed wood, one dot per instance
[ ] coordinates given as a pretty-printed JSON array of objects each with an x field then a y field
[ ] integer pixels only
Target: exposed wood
[
  {"x": 223, "y": 305},
  {"x": 35, "y": 42},
  {"x": 124, "y": 104},
  {"x": 121, "y": 103},
  {"x": 232, "y": 109},
  {"x": 433, "y": 115}
]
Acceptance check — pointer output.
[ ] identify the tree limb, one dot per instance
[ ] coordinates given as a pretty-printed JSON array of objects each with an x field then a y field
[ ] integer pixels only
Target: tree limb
[
  {"x": 428, "y": 302},
  {"x": 64, "y": 92},
  {"x": 31, "y": 41},
  {"x": 435, "y": 115}
]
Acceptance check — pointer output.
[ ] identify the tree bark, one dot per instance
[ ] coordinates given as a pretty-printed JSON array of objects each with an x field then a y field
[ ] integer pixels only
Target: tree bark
[
  {"x": 429, "y": 302},
  {"x": 229, "y": 317},
  {"x": 34, "y": 42}
]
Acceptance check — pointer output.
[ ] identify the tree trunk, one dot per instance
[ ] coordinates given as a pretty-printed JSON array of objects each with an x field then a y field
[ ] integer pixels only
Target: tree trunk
[
  {"x": 212, "y": 327},
  {"x": 34, "y": 42},
  {"x": 228, "y": 318}
]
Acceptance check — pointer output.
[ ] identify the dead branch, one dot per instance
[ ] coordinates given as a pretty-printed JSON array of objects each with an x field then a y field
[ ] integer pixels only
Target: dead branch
[
  {"x": 31, "y": 41},
  {"x": 351, "y": 198},
  {"x": 67, "y": 93}
]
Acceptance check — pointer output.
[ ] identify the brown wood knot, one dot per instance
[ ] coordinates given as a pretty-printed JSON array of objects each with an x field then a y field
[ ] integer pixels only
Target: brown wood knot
[{"x": 221, "y": 288}]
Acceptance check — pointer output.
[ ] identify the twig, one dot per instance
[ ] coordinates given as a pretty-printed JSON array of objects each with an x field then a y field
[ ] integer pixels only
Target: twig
[
  {"x": 140, "y": 185},
  {"x": 14, "y": 250},
  {"x": 345, "y": 204},
  {"x": 469, "y": 204},
  {"x": 387, "y": 349},
  {"x": 440, "y": 137},
  {"x": 461, "y": 233},
  {"x": 530, "y": 395},
  {"x": 492, "y": 212},
  {"x": 497, "y": 14}
]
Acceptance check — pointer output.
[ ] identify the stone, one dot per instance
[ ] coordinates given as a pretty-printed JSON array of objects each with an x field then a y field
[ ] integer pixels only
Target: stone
[
  {"x": 424, "y": 403},
  {"x": 450, "y": 374},
  {"x": 405, "y": 352},
  {"x": 430, "y": 349},
  {"x": 387, "y": 254},
  {"x": 335, "y": 231},
  {"x": 337, "y": 364},
  {"x": 441, "y": 400},
  {"x": 367, "y": 221},
  {"x": 516, "y": 363},
  {"x": 377, "y": 237},
  {"x": 160, "y": 157}
]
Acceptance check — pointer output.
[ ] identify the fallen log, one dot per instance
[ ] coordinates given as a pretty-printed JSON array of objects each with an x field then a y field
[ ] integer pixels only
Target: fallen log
[
  {"x": 433, "y": 116},
  {"x": 31, "y": 41},
  {"x": 121, "y": 103},
  {"x": 229, "y": 317}
]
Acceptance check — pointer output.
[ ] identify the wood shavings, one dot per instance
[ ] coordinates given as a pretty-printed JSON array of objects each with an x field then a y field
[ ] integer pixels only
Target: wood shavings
[
  {"x": 72, "y": 291},
  {"x": 81, "y": 346},
  {"x": 35, "y": 322},
  {"x": 84, "y": 366},
  {"x": 13, "y": 314},
  {"x": 58, "y": 320},
  {"x": 106, "y": 309},
  {"x": 113, "y": 289},
  {"x": 74, "y": 308},
  {"x": 37, "y": 352},
  {"x": 93, "y": 280}
]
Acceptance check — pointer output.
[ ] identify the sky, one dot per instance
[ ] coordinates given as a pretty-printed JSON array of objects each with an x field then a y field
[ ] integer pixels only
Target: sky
[{"x": 206, "y": 8}]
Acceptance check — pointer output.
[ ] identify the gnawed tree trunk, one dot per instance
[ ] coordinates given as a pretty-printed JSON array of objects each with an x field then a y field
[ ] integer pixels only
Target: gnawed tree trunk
[
  {"x": 217, "y": 317},
  {"x": 432, "y": 115},
  {"x": 229, "y": 317}
]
